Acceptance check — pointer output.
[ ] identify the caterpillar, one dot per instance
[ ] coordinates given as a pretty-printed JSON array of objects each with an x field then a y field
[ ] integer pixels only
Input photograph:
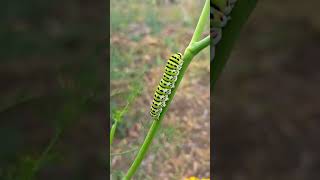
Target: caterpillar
[
  {"x": 166, "y": 84},
  {"x": 219, "y": 17}
]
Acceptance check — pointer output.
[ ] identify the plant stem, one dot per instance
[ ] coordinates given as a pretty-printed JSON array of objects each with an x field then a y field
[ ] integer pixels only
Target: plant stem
[
  {"x": 204, "y": 17},
  {"x": 192, "y": 49},
  {"x": 117, "y": 120},
  {"x": 239, "y": 16},
  {"x": 198, "y": 46},
  {"x": 45, "y": 153},
  {"x": 112, "y": 131}
]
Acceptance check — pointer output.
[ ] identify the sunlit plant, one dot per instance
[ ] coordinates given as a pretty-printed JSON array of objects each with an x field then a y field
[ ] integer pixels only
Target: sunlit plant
[
  {"x": 178, "y": 64},
  {"x": 195, "y": 46}
]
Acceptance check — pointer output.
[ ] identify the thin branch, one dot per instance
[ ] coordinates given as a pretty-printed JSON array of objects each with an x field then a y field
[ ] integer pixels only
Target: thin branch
[
  {"x": 198, "y": 46},
  {"x": 202, "y": 22}
]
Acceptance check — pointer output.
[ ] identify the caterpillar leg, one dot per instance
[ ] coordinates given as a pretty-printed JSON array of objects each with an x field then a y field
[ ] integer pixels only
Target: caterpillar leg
[
  {"x": 155, "y": 115},
  {"x": 216, "y": 34}
]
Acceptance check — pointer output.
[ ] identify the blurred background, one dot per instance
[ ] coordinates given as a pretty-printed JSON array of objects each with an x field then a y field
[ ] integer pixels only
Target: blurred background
[
  {"x": 266, "y": 103},
  {"x": 53, "y": 90},
  {"x": 143, "y": 35}
]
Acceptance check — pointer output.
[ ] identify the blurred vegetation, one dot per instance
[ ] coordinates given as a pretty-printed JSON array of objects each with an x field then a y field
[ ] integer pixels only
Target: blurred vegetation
[
  {"x": 266, "y": 103},
  {"x": 53, "y": 77},
  {"x": 143, "y": 36}
]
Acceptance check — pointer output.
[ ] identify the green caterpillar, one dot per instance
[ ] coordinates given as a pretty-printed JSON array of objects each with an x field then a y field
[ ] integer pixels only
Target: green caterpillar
[
  {"x": 219, "y": 11},
  {"x": 167, "y": 82}
]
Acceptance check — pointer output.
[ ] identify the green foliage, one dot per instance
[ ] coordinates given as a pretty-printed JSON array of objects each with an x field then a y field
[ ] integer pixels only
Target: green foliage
[
  {"x": 136, "y": 38},
  {"x": 118, "y": 62},
  {"x": 152, "y": 20},
  {"x": 118, "y": 114},
  {"x": 171, "y": 44},
  {"x": 118, "y": 20},
  {"x": 26, "y": 167},
  {"x": 23, "y": 170},
  {"x": 170, "y": 134},
  {"x": 159, "y": 61},
  {"x": 117, "y": 175}
]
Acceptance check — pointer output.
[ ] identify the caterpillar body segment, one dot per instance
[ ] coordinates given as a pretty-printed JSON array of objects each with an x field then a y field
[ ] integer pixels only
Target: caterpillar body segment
[
  {"x": 169, "y": 78},
  {"x": 224, "y": 6},
  {"x": 167, "y": 83},
  {"x": 219, "y": 19},
  {"x": 177, "y": 58},
  {"x": 173, "y": 65},
  {"x": 155, "y": 113},
  {"x": 160, "y": 98},
  {"x": 163, "y": 91},
  {"x": 158, "y": 104},
  {"x": 171, "y": 72}
]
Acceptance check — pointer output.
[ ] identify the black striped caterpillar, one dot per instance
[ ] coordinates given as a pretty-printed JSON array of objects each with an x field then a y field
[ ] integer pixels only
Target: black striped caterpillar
[
  {"x": 219, "y": 11},
  {"x": 167, "y": 82}
]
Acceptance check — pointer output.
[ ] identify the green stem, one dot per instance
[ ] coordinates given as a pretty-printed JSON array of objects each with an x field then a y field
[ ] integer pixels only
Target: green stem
[
  {"x": 117, "y": 120},
  {"x": 198, "y": 46},
  {"x": 193, "y": 49},
  {"x": 204, "y": 17},
  {"x": 239, "y": 15},
  {"x": 113, "y": 131}
]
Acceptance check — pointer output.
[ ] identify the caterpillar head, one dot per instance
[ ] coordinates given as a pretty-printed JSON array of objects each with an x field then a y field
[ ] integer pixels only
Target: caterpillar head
[{"x": 178, "y": 56}]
